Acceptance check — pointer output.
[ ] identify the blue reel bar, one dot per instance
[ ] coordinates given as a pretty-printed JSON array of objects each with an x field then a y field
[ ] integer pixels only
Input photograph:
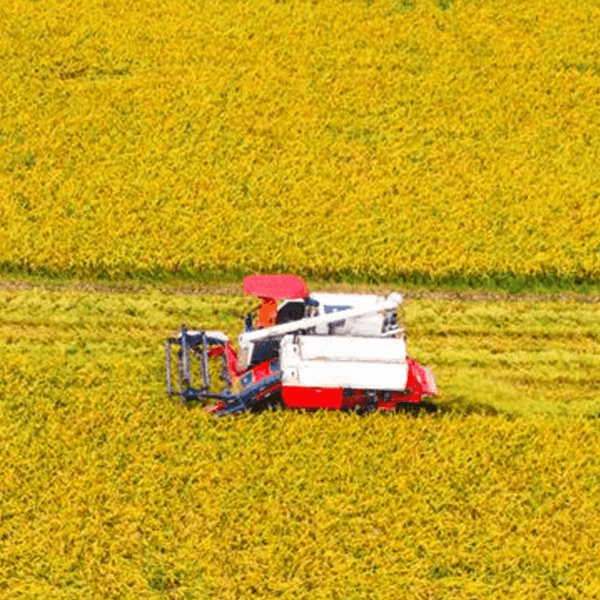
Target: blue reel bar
[{"x": 199, "y": 343}]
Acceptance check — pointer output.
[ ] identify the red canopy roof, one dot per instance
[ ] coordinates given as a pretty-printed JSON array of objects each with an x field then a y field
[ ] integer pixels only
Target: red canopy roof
[{"x": 276, "y": 286}]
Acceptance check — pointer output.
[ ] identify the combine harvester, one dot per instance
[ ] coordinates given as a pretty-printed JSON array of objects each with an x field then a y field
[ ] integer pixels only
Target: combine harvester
[{"x": 310, "y": 351}]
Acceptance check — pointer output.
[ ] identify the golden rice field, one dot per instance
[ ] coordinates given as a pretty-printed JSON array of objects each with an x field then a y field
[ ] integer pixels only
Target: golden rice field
[
  {"x": 376, "y": 138},
  {"x": 110, "y": 489},
  {"x": 359, "y": 139}
]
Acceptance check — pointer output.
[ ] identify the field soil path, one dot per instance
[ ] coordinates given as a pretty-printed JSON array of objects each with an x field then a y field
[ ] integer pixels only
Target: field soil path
[{"x": 225, "y": 289}]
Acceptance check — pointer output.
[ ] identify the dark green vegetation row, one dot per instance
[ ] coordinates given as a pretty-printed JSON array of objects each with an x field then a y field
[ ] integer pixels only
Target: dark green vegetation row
[
  {"x": 547, "y": 283},
  {"x": 110, "y": 489}
]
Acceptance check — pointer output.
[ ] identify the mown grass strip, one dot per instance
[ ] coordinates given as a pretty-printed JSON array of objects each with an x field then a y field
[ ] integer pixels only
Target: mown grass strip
[{"x": 513, "y": 357}]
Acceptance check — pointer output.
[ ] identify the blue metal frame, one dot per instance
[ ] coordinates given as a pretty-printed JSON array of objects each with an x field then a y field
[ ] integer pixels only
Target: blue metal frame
[
  {"x": 199, "y": 344},
  {"x": 247, "y": 399}
]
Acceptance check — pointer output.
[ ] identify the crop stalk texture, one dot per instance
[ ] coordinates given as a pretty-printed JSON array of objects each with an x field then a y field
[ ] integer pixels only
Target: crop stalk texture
[
  {"x": 373, "y": 138},
  {"x": 111, "y": 489}
]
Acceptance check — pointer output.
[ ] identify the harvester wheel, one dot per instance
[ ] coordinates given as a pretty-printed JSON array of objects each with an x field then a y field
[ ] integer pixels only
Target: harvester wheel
[{"x": 371, "y": 401}]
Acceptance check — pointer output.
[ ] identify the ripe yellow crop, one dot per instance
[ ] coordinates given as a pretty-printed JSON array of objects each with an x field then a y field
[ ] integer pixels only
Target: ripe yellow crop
[
  {"x": 111, "y": 489},
  {"x": 369, "y": 137}
]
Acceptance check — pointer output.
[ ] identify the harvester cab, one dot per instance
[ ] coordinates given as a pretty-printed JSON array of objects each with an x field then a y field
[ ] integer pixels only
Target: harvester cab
[
  {"x": 292, "y": 290},
  {"x": 333, "y": 351}
]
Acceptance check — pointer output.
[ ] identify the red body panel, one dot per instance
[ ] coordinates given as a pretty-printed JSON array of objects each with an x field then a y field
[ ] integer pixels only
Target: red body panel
[
  {"x": 338, "y": 399},
  {"x": 421, "y": 379},
  {"x": 312, "y": 398},
  {"x": 261, "y": 370}
]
